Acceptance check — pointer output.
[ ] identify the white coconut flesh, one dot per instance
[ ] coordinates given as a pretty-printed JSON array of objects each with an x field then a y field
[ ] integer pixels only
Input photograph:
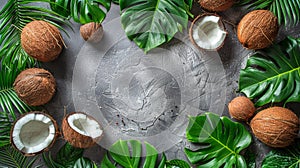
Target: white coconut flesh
[
  {"x": 207, "y": 32},
  {"x": 33, "y": 133},
  {"x": 84, "y": 125}
]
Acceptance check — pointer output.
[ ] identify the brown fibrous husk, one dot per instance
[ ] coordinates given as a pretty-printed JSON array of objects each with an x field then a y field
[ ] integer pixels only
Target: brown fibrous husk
[
  {"x": 92, "y": 32},
  {"x": 57, "y": 133},
  {"x": 216, "y": 5},
  {"x": 258, "y": 29},
  {"x": 41, "y": 40},
  {"x": 76, "y": 139},
  {"x": 241, "y": 108},
  {"x": 35, "y": 86},
  {"x": 275, "y": 126}
]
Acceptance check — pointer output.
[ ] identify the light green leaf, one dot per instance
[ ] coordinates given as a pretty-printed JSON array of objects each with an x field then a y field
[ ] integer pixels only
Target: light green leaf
[
  {"x": 9, "y": 157},
  {"x": 284, "y": 158},
  {"x": 128, "y": 155},
  {"x": 272, "y": 74},
  {"x": 150, "y": 23},
  {"x": 220, "y": 140},
  {"x": 84, "y": 163}
]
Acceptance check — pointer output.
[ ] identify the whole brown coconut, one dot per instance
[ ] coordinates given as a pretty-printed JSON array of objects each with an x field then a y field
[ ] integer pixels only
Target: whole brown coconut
[
  {"x": 81, "y": 130},
  {"x": 35, "y": 86},
  {"x": 92, "y": 32},
  {"x": 258, "y": 29},
  {"x": 216, "y": 5},
  {"x": 275, "y": 126},
  {"x": 241, "y": 108},
  {"x": 41, "y": 40}
]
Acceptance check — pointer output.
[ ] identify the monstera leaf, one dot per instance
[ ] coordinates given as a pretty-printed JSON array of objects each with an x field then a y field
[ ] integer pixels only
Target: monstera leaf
[
  {"x": 82, "y": 11},
  {"x": 285, "y": 158},
  {"x": 121, "y": 155},
  {"x": 150, "y": 23},
  {"x": 272, "y": 75},
  {"x": 220, "y": 140}
]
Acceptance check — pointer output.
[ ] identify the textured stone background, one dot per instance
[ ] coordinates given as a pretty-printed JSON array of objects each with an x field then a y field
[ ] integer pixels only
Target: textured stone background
[{"x": 233, "y": 57}]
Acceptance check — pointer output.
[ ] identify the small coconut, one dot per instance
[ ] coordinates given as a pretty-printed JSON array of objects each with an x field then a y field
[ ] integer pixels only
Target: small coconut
[
  {"x": 241, "y": 108},
  {"x": 216, "y": 5},
  {"x": 258, "y": 29},
  {"x": 81, "y": 130},
  {"x": 275, "y": 126},
  {"x": 41, "y": 40},
  {"x": 92, "y": 32},
  {"x": 34, "y": 133},
  {"x": 208, "y": 32},
  {"x": 35, "y": 86}
]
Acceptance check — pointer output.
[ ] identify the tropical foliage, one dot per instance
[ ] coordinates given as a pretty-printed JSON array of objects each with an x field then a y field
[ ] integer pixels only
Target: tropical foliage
[
  {"x": 220, "y": 141},
  {"x": 287, "y": 11},
  {"x": 272, "y": 74},
  {"x": 150, "y": 23}
]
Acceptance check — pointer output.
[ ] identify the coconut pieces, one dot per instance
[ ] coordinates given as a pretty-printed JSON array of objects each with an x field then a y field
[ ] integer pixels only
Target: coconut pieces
[
  {"x": 35, "y": 86},
  {"x": 81, "y": 130},
  {"x": 241, "y": 108},
  {"x": 41, "y": 40},
  {"x": 258, "y": 29},
  {"x": 33, "y": 133},
  {"x": 207, "y": 32},
  {"x": 276, "y": 126},
  {"x": 92, "y": 32},
  {"x": 216, "y": 5}
]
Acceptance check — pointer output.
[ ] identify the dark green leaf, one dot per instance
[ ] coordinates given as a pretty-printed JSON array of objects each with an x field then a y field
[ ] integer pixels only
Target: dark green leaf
[
  {"x": 84, "y": 163},
  {"x": 128, "y": 155},
  {"x": 61, "y": 6},
  {"x": 220, "y": 140},
  {"x": 250, "y": 159},
  {"x": 5, "y": 127},
  {"x": 272, "y": 75},
  {"x": 150, "y": 23},
  {"x": 285, "y": 158},
  {"x": 49, "y": 162},
  {"x": 176, "y": 163},
  {"x": 9, "y": 157},
  {"x": 68, "y": 155}
]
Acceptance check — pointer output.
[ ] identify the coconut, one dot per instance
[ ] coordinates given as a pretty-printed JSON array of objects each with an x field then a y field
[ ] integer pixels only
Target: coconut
[
  {"x": 92, "y": 32},
  {"x": 241, "y": 108},
  {"x": 35, "y": 86},
  {"x": 81, "y": 130},
  {"x": 33, "y": 133},
  {"x": 208, "y": 32},
  {"x": 41, "y": 40},
  {"x": 275, "y": 126},
  {"x": 216, "y": 5},
  {"x": 258, "y": 29}
]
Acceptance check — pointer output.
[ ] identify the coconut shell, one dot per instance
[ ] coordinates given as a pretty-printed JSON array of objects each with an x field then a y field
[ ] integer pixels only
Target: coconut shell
[
  {"x": 194, "y": 23},
  {"x": 76, "y": 139},
  {"x": 35, "y": 86},
  {"x": 241, "y": 108},
  {"x": 57, "y": 133},
  {"x": 275, "y": 126},
  {"x": 258, "y": 29},
  {"x": 41, "y": 40},
  {"x": 92, "y": 32},
  {"x": 216, "y": 5}
]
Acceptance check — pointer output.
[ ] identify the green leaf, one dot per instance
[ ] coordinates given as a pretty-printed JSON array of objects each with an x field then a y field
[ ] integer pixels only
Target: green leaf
[
  {"x": 5, "y": 127},
  {"x": 84, "y": 163},
  {"x": 150, "y": 23},
  {"x": 220, "y": 140},
  {"x": 250, "y": 159},
  {"x": 61, "y": 6},
  {"x": 272, "y": 74},
  {"x": 176, "y": 163},
  {"x": 9, "y": 157},
  {"x": 68, "y": 155},
  {"x": 130, "y": 156},
  {"x": 287, "y": 11},
  {"x": 13, "y": 17},
  {"x": 284, "y": 158}
]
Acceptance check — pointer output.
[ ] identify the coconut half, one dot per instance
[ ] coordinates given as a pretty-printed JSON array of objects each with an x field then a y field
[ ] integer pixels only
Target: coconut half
[
  {"x": 33, "y": 133},
  {"x": 208, "y": 32},
  {"x": 81, "y": 130}
]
